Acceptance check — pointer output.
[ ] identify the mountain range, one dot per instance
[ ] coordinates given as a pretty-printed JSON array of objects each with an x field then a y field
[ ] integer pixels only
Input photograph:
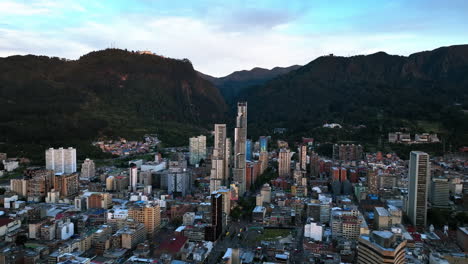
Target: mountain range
[
  {"x": 231, "y": 85},
  {"x": 112, "y": 93},
  {"x": 118, "y": 93},
  {"x": 425, "y": 92}
]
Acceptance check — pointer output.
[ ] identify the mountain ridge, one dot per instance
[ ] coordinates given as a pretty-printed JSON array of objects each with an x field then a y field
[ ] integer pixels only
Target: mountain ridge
[{"x": 232, "y": 84}]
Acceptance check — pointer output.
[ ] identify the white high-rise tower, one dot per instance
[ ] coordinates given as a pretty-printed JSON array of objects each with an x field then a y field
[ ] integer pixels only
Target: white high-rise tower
[
  {"x": 240, "y": 137},
  {"x": 419, "y": 177},
  {"x": 61, "y": 160}
]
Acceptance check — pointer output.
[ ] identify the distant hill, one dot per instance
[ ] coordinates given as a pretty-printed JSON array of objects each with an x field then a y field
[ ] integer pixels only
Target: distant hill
[
  {"x": 383, "y": 90},
  {"x": 111, "y": 93},
  {"x": 232, "y": 84}
]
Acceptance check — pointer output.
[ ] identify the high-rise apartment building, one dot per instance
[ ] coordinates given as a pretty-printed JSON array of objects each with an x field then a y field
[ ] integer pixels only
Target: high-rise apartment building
[
  {"x": 197, "y": 149},
  {"x": 133, "y": 172},
  {"x": 19, "y": 186},
  {"x": 381, "y": 247},
  {"x": 67, "y": 184},
  {"x": 303, "y": 157},
  {"x": 240, "y": 137},
  {"x": 61, "y": 160},
  {"x": 419, "y": 177},
  {"x": 284, "y": 163},
  {"x": 88, "y": 169},
  {"x": 148, "y": 214},
  {"x": 218, "y": 164},
  {"x": 347, "y": 152}
]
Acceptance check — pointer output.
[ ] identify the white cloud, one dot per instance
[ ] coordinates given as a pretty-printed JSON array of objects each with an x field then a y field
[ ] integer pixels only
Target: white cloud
[{"x": 211, "y": 49}]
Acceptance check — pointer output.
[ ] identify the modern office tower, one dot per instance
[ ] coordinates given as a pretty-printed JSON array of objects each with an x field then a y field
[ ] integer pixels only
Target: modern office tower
[
  {"x": 67, "y": 184},
  {"x": 148, "y": 213},
  {"x": 197, "y": 149},
  {"x": 303, "y": 157},
  {"x": 248, "y": 149},
  {"x": 88, "y": 169},
  {"x": 440, "y": 192},
  {"x": 381, "y": 247},
  {"x": 133, "y": 172},
  {"x": 213, "y": 231},
  {"x": 240, "y": 137},
  {"x": 145, "y": 178},
  {"x": 179, "y": 182},
  {"x": 284, "y": 163},
  {"x": 263, "y": 144},
  {"x": 61, "y": 160},
  {"x": 218, "y": 168},
  {"x": 419, "y": 177}
]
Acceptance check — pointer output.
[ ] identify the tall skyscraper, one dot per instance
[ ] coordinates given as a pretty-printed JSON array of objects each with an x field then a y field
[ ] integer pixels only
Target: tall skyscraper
[
  {"x": 240, "y": 137},
  {"x": 61, "y": 160},
  {"x": 88, "y": 169},
  {"x": 133, "y": 171},
  {"x": 228, "y": 161},
  {"x": 213, "y": 231},
  {"x": 197, "y": 149},
  {"x": 218, "y": 167},
  {"x": 419, "y": 177},
  {"x": 284, "y": 163},
  {"x": 303, "y": 157}
]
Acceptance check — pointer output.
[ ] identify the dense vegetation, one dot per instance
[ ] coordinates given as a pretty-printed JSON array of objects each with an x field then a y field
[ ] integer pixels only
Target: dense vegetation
[
  {"x": 425, "y": 92},
  {"x": 113, "y": 93}
]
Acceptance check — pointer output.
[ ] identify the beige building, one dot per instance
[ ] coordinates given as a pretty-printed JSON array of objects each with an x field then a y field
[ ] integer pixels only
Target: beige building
[
  {"x": 148, "y": 214},
  {"x": 66, "y": 184},
  {"x": 19, "y": 186},
  {"x": 284, "y": 163},
  {"x": 88, "y": 169},
  {"x": 132, "y": 235},
  {"x": 381, "y": 247}
]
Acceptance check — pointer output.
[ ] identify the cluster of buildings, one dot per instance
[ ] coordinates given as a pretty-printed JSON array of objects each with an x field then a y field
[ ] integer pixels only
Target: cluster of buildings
[
  {"x": 211, "y": 204},
  {"x": 124, "y": 147},
  {"x": 402, "y": 137}
]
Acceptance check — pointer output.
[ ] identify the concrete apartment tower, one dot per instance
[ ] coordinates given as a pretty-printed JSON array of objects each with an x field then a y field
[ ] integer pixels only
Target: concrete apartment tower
[
  {"x": 419, "y": 179},
  {"x": 284, "y": 163},
  {"x": 218, "y": 168},
  {"x": 197, "y": 149},
  {"x": 88, "y": 169},
  {"x": 133, "y": 171},
  {"x": 240, "y": 138},
  {"x": 61, "y": 161}
]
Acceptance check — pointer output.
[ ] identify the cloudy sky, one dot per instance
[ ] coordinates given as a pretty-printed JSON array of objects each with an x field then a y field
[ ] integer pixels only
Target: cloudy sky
[{"x": 227, "y": 35}]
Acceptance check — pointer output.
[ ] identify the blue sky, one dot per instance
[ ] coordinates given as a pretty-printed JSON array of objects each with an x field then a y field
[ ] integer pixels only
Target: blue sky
[{"x": 226, "y": 35}]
